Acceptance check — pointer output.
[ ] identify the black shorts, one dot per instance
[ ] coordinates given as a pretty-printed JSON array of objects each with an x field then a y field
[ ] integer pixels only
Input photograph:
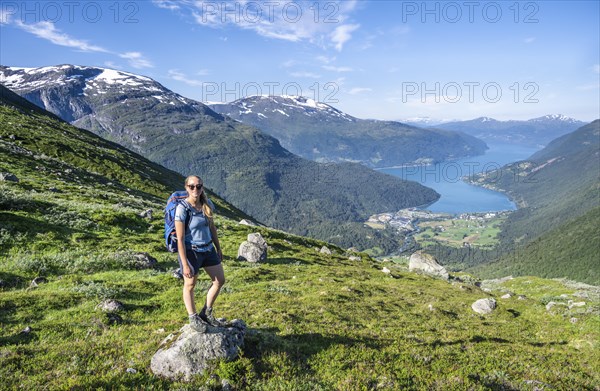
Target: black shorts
[{"x": 197, "y": 259}]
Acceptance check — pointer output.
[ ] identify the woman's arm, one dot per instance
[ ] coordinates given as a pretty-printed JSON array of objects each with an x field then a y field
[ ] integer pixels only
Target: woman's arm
[
  {"x": 215, "y": 238},
  {"x": 180, "y": 232}
]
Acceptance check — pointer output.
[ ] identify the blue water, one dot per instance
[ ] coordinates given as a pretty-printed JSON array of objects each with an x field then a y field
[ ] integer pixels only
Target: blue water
[{"x": 457, "y": 196}]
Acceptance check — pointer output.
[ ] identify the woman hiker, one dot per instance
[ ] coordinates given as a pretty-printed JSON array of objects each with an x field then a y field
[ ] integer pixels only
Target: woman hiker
[{"x": 198, "y": 247}]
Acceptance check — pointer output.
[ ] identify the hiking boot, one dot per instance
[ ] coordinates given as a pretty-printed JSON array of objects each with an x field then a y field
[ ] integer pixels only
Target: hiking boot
[
  {"x": 197, "y": 324},
  {"x": 209, "y": 318}
]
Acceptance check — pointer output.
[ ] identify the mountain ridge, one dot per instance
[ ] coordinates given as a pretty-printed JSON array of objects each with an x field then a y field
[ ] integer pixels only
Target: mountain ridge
[{"x": 320, "y": 132}]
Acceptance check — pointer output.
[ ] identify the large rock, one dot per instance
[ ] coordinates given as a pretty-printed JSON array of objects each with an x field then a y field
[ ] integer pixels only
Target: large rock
[
  {"x": 188, "y": 353},
  {"x": 425, "y": 263},
  {"x": 484, "y": 306},
  {"x": 8, "y": 177},
  {"x": 254, "y": 249}
]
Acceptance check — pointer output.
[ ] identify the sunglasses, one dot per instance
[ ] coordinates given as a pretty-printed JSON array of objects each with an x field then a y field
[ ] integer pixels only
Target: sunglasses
[{"x": 193, "y": 187}]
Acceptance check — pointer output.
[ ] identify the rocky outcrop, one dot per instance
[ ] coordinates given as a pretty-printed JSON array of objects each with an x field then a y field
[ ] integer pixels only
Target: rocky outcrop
[
  {"x": 187, "y": 352},
  {"x": 484, "y": 306},
  {"x": 247, "y": 222},
  {"x": 427, "y": 264},
  {"x": 110, "y": 306},
  {"x": 254, "y": 249}
]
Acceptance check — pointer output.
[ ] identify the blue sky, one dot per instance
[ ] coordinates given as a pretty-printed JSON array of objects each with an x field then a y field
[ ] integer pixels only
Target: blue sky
[{"x": 371, "y": 59}]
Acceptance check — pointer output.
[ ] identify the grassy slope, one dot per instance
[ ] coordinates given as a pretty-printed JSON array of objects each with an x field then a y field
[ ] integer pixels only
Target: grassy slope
[
  {"x": 569, "y": 250},
  {"x": 317, "y": 321}
]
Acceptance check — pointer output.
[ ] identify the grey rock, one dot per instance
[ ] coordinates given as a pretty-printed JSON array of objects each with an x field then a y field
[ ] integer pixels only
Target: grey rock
[
  {"x": 37, "y": 281},
  {"x": 247, "y": 222},
  {"x": 572, "y": 304},
  {"x": 147, "y": 214},
  {"x": 573, "y": 320},
  {"x": 8, "y": 177},
  {"x": 187, "y": 352},
  {"x": 254, "y": 249},
  {"x": 354, "y": 258},
  {"x": 386, "y": 270},
  {"x": 110, "y": 306},
  {"x": 257, "y": 239},
  {"x": 131, "y": 370},
  {"x": 553, "y": 304},
  {"x": 506, "y": 296},
  {"x": 484, "y": 306},
  {"x": 26, "y": 330},
  {"x": 425, "y": 263},
  {"x": 325, "y": 250}
]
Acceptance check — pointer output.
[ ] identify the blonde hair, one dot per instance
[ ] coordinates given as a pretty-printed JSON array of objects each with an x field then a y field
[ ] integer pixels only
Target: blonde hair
[{"x": 203, "y": 199}]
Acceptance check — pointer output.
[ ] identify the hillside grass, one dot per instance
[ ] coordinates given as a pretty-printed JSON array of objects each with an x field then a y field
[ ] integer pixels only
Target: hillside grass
[{"x": 316, "y": 322}]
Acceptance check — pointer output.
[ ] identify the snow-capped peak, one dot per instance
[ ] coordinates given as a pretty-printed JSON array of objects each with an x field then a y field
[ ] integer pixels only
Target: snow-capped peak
[{"x": 554, "y": 117}]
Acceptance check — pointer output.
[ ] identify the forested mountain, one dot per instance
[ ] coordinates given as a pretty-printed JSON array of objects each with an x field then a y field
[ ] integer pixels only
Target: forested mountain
[
  {"x": 320, "y": 132},
  {"x": 557, "y": 190},
  {"x": 534, "y": 132}
]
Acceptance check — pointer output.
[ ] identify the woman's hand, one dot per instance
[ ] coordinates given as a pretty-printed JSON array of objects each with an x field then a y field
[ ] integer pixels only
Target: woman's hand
[{"x": 186, "y": 270}]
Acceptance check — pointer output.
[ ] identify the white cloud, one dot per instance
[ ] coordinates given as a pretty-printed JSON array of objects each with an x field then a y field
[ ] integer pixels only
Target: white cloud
[
  {"x": 136, "y": 60},
  {"x": 112, "y": 65},
  {"x": 596, "y": 68},
  {"x": 47, "y": 31},
  {"x": 308, "y": 75},
  {"x": 337, "y": 69},
  {"x": 529, "y": 40},
  {"x": 342, "y": 34},
  {"x": 292, "y": 21},
  {"x": 166, "y": 4},
  {"x": 325, "y": 59},
  {"x": 174, "y": 74},
  {"x": 359, "y": 90}
]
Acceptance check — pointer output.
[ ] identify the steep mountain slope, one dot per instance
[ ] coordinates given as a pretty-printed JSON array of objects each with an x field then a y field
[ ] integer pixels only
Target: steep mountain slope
[
  {"x": 320, "y": 132},
  {"x": 243, "y": 165},
  {"x": 534, "y": 132},
  {"x": 316, "y": 321},
  {"x": 570, "y": 250},
  {"x": 553, "y": 187}
]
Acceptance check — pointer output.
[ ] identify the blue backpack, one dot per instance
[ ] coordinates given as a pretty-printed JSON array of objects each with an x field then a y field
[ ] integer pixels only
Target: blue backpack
[{"x": 170, "y": 237}]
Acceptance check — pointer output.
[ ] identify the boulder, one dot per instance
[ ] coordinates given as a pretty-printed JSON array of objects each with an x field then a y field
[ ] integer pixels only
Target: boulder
[
  {"x": 37, "y": 281},
  {"x": 187, "y": 352},
  {"x": 354, "y": 258},
  {"x": 110, "y": 306},
  {"x": 247, "y": 222},
  {"x": 147, "y": 214},
  {"x": 254, "y": 249},
  {"x": 325, "y": 250},
  {"x": 484, "y": 306},
  {"x": 425, "y": 263},
  {"x": 7, "y": 176}
]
